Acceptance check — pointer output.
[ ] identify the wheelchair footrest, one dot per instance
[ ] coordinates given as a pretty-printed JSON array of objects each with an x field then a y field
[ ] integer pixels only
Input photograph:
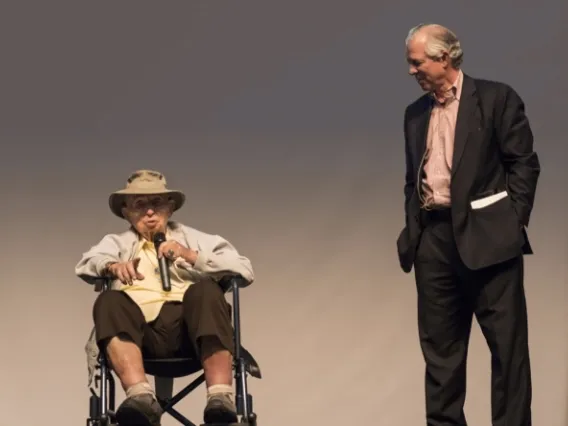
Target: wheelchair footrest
[{"x": 224, "y": 424}]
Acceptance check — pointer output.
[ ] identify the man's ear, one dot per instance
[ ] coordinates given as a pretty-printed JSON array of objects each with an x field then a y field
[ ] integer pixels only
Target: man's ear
[{"x": 445, "y": 60}]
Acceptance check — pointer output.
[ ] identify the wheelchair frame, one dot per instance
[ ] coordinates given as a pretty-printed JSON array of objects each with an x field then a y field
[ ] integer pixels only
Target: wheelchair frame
[{"x": 102, "y": 403}]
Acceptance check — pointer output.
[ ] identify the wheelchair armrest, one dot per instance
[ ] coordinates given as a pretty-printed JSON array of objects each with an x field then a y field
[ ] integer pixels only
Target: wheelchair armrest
[
  {"x": 228, "y": 281},
  {"x": 99, "y": 283}
]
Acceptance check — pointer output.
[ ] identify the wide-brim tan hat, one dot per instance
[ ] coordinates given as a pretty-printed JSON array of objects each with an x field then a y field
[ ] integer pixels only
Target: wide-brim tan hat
[{"x": 144, "y": 182}]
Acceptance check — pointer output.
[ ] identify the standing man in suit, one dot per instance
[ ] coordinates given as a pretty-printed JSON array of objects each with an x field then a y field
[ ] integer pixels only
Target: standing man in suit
[{"x": 471, "y": 177}]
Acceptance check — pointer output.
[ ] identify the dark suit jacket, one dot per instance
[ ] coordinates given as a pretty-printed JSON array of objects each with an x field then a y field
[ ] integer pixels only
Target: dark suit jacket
[{"x": 493, "y": 152}]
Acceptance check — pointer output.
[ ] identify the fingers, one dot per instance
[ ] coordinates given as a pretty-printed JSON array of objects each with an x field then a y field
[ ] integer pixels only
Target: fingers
[
  {"x": 135, "y": 263},
  {"x": 118, "y": 271},
  {"x": 161, "y": 251},
  {"x": 167, "y": 249},
  {"x": 127, "y": 272},
  {"x": 170, "y": 249},
  {"x": 130, "y": 272}
]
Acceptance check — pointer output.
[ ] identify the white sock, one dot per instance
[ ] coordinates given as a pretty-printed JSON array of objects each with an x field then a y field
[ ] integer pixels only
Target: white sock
[
  {"x": 220, "y": 389},
  {"x": 140, "y": 389}
]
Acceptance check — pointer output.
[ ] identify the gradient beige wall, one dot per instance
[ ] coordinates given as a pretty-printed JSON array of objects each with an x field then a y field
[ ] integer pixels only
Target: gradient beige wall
[{"x": 283, "y": 124}]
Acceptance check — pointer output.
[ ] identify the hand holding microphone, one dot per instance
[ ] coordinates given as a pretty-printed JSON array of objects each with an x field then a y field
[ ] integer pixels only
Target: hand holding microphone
[
  {"x": 160, "y": 245},
  {"x": 170, "y": 250}
]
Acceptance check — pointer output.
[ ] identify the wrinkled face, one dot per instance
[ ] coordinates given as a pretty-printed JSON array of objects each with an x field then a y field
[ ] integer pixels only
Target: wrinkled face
[
  {"x": 148, "y": 214},
  {"x": 429, "y": 73}
]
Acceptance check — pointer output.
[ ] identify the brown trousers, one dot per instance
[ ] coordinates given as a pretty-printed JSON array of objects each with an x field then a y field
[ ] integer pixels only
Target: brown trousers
[{"x": 178, "y": 331}]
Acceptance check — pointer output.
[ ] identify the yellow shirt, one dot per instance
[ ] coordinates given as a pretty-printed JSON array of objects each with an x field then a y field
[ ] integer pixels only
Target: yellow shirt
[{"x": 148, "y": 293}]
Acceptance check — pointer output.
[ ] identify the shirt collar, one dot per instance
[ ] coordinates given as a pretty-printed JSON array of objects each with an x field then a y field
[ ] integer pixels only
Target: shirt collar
[
  {"x": 146, "y": 244},
  {"x": 454, "y": 92}
]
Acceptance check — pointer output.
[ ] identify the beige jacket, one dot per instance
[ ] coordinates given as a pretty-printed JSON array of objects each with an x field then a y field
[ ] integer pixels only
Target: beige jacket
[{"x": 217, "y": 257}]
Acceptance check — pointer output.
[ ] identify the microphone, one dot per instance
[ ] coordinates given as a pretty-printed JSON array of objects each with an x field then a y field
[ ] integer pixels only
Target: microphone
[{"x": 159, "y": 238}]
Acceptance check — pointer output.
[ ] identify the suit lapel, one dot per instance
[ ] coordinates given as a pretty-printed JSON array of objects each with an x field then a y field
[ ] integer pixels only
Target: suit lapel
[
  {"x": 422, "y": 122},
  {"x": 467, "y": 107}
]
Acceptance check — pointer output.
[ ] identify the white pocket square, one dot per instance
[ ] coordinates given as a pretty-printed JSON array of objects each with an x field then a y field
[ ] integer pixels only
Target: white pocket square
[{"x": 487, "y": 201}]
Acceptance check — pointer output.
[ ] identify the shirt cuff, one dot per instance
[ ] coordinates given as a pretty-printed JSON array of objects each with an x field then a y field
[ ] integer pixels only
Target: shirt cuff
[
  {"x": 201, "y": 261},
  {"x": 101, "y": 266},
  {"x": 180, "y": 262}
]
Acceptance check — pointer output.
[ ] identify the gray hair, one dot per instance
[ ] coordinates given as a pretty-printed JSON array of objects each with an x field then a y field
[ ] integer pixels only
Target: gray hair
[{"x": 439, "y": 39}]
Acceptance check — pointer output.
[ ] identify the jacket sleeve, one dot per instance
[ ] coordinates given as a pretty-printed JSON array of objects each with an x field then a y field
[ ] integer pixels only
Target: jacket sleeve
[
  {"x": 519, "y": 158},
  {"x": 217, "y": 256},
  {"x": 410, "y": 179},
  {"x": 94, "y": 261}
]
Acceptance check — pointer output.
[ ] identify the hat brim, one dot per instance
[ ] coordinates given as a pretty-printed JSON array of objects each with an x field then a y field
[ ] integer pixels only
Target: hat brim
[{"x": 116, "y": 199}]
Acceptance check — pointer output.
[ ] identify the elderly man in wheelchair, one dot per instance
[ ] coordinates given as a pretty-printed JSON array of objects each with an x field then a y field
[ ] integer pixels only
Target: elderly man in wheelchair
[{"x": 137, "y": 320}]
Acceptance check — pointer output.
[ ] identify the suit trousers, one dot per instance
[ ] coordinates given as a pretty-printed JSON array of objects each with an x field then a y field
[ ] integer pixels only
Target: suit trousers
[
  {"x": 179, "y": 329},
  {"x": 449, "y": 295}
]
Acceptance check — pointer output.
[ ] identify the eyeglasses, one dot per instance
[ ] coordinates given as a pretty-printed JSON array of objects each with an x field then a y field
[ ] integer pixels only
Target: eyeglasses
[{"x": 142, "y": 205}]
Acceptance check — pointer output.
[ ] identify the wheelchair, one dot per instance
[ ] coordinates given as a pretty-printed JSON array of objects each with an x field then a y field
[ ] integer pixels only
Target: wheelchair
[{"x": 102, "y": 399}]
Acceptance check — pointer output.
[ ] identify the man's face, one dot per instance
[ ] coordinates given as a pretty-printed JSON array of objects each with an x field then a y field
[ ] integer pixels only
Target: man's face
[
  {"x": 148, "y": 214},
  {"x": 429, "y": 73}
]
